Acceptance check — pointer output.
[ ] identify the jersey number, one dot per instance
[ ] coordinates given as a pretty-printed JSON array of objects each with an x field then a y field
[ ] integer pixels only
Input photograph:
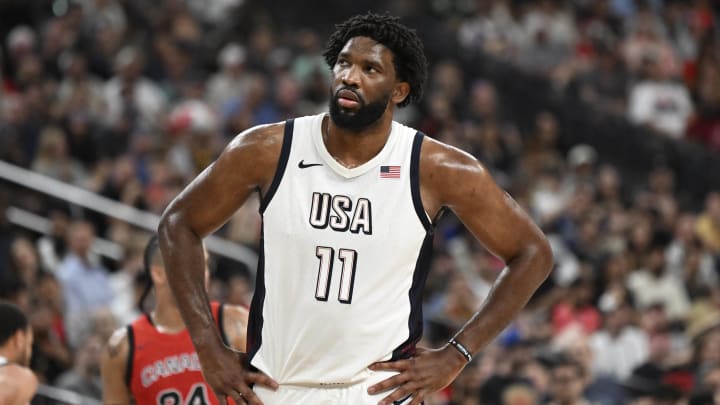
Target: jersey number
[
  {"x": 197, "y": 395},
  {"x": 348, "y": 258}
]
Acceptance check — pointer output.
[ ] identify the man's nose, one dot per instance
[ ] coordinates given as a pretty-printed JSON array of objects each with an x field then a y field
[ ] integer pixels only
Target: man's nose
[{"x": 351, "y": 76}]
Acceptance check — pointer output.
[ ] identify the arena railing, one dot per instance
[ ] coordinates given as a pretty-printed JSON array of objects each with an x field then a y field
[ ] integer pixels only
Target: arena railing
[
  {"x": 114, "y": 209},
  {"x": 47, "y": 395}
]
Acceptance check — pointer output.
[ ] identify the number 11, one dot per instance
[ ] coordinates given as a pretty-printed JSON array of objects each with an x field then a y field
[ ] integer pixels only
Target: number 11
[{"x": 348, "y": 257}]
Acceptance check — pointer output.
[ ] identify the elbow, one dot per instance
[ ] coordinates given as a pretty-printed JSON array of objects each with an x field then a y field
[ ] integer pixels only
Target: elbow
[
  {"x": 543, "y": 257},
  {"x": 170, "y": 227},
  {"x": 174, "y": 228},
  {"x": 166, "y": 225}
]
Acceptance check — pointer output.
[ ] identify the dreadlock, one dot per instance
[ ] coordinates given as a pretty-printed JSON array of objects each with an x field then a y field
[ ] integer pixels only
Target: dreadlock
[{"x": 408, "y": 54}]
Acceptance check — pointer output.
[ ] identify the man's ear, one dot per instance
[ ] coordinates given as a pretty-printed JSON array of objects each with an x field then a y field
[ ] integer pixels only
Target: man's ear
[
  {"x": 400, "y": 92},
  {"x": 18, "y": 339}
]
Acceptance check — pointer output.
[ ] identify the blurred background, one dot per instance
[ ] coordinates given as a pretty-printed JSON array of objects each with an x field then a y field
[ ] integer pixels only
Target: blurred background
[{"x": 600, "y": 117}]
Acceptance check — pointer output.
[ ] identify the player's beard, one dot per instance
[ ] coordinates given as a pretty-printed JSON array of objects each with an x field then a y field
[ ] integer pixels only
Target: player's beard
[{"x": 364, "y": 116}]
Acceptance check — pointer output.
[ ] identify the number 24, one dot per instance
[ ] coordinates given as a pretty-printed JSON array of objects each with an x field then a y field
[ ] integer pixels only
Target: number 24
[{"x": 348, "y": 257}]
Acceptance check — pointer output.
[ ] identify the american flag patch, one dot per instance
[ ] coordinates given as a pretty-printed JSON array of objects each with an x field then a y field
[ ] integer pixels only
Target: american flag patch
[{"x": 389, "y": 172}]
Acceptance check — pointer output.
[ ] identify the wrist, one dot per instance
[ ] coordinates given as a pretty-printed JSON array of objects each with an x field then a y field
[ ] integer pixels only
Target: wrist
[{"x": 461, "y": 350}]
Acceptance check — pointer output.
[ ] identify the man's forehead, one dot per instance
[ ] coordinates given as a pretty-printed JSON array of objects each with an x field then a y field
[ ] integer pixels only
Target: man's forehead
[{"x": 366, "y": 45}]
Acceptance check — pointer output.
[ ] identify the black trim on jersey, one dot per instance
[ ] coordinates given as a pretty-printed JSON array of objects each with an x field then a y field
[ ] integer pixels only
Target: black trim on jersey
[
  {"x": 415, "y": 320},
  {"x": 282, "y": 163},
  {"x": 131, "y": 354},
  {"x": 255, "y": 319},
  {"x": 415, "y": 181},
  {"x": 220, "y": 317}
]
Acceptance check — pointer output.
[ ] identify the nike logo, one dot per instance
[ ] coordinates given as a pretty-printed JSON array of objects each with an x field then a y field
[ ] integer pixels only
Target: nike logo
[{"x": 303, "y": 165}]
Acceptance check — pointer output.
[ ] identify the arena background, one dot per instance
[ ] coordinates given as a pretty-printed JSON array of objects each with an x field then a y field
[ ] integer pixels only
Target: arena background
[{"x": 602, "y": 118}]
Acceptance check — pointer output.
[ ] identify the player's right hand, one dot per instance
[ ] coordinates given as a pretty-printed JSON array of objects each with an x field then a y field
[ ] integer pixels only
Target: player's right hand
[{"x": 226, "y": 372}]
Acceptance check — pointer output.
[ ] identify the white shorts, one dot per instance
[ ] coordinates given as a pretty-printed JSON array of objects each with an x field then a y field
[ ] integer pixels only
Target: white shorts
[{"x": 355, "y": 394}]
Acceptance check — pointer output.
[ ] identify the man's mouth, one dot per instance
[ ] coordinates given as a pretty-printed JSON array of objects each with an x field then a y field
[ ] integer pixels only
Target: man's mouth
[{"x": 348, "y": 98}]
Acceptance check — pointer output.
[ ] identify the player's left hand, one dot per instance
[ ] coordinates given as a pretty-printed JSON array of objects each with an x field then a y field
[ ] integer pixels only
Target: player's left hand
[{"x": 419, "y": 376}]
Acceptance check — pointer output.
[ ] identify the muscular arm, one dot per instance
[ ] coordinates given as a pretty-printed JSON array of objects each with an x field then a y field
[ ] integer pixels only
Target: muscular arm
[
  {"x": 17, "y": 385},
  {"x": 235, "y": 320},
  {"x": 113, "y": 366},
  {"x": 248, "y": 163},
  {"x": 453, "y": 179}
]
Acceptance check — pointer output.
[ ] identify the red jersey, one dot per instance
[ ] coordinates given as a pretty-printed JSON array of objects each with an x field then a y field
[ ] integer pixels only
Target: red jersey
[{"x": 163, "y": 369}]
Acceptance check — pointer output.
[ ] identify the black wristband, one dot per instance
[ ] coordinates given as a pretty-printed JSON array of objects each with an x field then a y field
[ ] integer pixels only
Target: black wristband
[{"x": 462, "y": 349}]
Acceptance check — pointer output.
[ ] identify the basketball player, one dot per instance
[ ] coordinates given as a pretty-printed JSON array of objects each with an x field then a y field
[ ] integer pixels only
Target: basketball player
[
  {"x": 349, "y": 201},
  {"x": 152, "y": 360},
  {"x": 17, "y": 383}
]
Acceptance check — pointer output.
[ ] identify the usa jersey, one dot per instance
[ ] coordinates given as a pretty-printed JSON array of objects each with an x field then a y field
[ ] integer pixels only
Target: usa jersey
[
  {"x": 163, "y": 368},
  {"x": 343, "y": 261}
]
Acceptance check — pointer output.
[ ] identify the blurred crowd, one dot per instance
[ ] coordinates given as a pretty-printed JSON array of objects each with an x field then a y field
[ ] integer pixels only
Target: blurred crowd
[{"x": 131, "y": 99}]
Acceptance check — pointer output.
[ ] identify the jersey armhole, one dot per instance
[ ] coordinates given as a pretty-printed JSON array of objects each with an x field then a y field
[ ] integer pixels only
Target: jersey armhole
[
  {"x": 415, "y": 182},
  {"x": 282, "y": 163},
  {"x": 130, "y": 355}
]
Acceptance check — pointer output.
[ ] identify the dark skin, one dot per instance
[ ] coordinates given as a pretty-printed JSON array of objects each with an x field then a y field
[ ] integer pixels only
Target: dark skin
[
  {"x": 448, "y": 178},
  {"x": 166, "y": 318}
]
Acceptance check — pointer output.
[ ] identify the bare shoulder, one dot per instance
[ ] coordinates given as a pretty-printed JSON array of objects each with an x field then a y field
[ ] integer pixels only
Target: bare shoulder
[
  {"x": 113, "y": 368},
  {"x": 255, "y": 152},
  {"x": 436, "y": 155},
  {"x": 18, "y": 384},
  {"x": 21, "y": 375},
  {"x": 263, "y": 142},
  {"x": 118, "y": 345},
  {"x": 261, "y": 136},
  {"x": 448, "y": 173}
]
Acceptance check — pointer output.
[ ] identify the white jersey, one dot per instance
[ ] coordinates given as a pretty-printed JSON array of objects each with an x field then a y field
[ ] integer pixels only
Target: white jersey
[{"x": 343, "y": 261}]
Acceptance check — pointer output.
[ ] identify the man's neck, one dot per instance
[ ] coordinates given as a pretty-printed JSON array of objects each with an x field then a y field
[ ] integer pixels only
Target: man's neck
[
  {"x": 5, "y": 357},
  {"x": 353, "y": 148}
]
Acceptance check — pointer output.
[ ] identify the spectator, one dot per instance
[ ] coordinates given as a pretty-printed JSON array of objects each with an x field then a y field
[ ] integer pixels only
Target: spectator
[
  {"x": 53, "y": 158},
  {"x": 84, "y": 377},
  {"x": 687, "y": 258},
  {"x": 704, "y": 126},
  {"x": 133, "y": 101},
  {"x": 619, "y": 346},
  {"x": 708, "y": 223},
  {"x": 52, "y": 247},
  {"x": 232, "y": 82},
  {"x": 85, "y": 284},
  {"x": 659, "y": 103},
  {"x": 567, "y": 383},
  {"x": 655, "y": 284},
  {"x": 51, "y": 354},
  {"x": 576, "y": 309}
]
